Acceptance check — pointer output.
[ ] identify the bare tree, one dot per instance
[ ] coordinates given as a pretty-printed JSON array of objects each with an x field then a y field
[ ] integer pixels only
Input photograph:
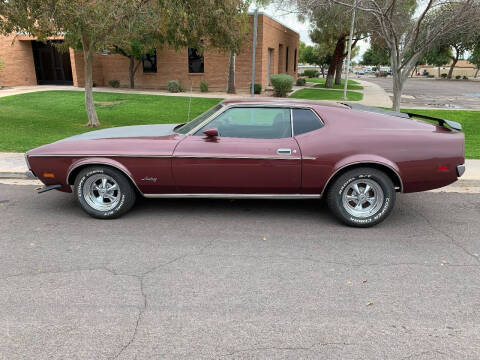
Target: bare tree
[{"x": 408, "y": 28}]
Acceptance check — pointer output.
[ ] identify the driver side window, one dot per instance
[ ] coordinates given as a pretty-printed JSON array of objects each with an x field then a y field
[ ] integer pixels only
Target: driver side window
[{"x": 252, "y": 122}]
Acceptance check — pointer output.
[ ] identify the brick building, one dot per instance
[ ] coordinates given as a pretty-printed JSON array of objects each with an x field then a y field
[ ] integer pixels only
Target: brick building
[{"x": 29, "y": 62}]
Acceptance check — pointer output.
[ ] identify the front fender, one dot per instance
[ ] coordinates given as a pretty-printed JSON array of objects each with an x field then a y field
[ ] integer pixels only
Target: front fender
[{"x": 77, "y": 164}]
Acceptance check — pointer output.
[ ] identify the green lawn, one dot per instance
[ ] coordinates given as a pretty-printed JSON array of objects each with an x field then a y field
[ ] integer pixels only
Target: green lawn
[
  {"x": 352, "y": 84},
  {"x": 318, "y": 94},
  {"x": 470, "y": 121},
  {"x": 34, "y": 119}
]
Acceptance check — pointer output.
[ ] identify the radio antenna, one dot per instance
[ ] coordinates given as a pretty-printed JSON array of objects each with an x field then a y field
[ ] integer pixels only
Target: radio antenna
[{"x": 190, "y": 101}]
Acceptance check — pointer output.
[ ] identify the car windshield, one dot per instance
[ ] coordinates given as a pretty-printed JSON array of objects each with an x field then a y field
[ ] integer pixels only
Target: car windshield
[{"x": 198, "y": 120}]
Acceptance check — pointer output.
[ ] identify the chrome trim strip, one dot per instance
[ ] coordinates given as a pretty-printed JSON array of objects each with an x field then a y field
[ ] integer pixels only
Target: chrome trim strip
[
  {"x": 309, "y": 158},
  {"x": 233, "y": 196},
  {"x": 363, "y": 162},
  {"x": 104, "y": 155},
  {"x": 106, "y": 164},
  {"x": 181, "y": 156},
  {"x": 236, "y": 157},
  {"x": 26, "y": 160}
]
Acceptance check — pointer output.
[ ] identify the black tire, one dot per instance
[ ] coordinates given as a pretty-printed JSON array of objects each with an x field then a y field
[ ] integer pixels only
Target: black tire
[
  {"x": 378, "y": 213},
  {"x": 125, "y": 197}
]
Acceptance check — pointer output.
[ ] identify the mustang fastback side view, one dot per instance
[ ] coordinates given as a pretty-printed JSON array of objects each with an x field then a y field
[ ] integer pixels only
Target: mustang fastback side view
[{"x": 356, "y": 157}]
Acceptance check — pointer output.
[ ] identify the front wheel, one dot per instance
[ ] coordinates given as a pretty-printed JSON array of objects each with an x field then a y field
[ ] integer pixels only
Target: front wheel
[
  {"x": 362, "y": 197},
  {"x": 104, "y": 192}
]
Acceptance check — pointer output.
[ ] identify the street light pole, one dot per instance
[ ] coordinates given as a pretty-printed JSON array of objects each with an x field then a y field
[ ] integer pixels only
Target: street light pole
[{"x": 349, "y": 53}]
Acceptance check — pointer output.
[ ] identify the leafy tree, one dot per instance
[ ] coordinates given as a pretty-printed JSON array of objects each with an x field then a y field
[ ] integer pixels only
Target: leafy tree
[
  {"x": 96, "y": 25},
  {"x": 333, "y": 35},
  {"x": 376, "y": 55},
  {"x": 437, "y": 56},
  {"x": 475, "y": 57},
  {"x": 314, "y": 55},
  {"x": 408, "y": 28},
  {"x": 460, "y": 41},
  {"x": 135, "y": 52}
]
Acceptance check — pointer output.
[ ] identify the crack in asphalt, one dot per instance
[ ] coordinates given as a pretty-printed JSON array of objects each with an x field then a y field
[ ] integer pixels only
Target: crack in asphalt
[
  {"x": 416, "y": 355},
  {"x": 450, "y": 237},
  {"x": 141, "y": 279},
  {"x": 287, "y": 348}
]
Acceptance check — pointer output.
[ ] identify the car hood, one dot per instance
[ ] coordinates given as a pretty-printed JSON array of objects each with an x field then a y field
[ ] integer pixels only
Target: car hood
[{"x": 126, "y": 132}]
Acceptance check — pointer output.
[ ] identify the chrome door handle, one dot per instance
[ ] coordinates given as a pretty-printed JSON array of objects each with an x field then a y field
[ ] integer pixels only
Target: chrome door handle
[{"x": 284, "y": 151}]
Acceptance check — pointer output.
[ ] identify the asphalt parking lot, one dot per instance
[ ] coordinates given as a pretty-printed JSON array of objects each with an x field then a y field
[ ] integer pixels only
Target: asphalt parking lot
[
  {"x": 211, "y": 279},
  {"x": 434, "y": 93}
]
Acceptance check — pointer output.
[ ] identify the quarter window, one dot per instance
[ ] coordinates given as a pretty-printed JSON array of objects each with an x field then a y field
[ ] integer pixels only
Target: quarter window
[
  {"x": 255, "y": 123},
  {"x": 150, "y": 62},
  {"x": 195, "y": 62},
  {"x": 304, "y": 120}
]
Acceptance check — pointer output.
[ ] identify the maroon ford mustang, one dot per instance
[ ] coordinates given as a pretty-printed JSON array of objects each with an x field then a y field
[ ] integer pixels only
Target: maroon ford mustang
[{"x": 355, "y": 156}]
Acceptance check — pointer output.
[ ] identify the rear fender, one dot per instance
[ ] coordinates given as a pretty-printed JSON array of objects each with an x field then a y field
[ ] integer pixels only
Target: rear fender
[{"x": 360, "y": 159}]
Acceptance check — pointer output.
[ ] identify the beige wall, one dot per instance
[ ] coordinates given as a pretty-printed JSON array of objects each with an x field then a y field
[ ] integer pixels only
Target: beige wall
[{"x": 19, "y": 67}]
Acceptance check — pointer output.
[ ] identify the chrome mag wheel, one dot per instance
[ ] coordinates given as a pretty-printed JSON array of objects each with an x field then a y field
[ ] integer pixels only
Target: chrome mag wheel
[
  {"x": 101, "y": 192},
  {"x": 362, "y": 198}
]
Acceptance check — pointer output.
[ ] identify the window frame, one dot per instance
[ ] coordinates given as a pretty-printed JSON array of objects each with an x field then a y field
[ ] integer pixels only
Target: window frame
[
  {"x": 250, "y": 105},
  {"x": 286, "y": 59},
  {"x": 199, "y": 56},
  {"x": 153, "y": 71},
  {"x": 316, "y": 115},
  {"x": 244, "y": 106},
  {"x": 295, "y": 61}
]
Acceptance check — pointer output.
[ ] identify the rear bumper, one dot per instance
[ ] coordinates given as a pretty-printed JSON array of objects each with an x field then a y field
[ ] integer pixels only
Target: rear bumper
[{"x": 460, "y": 170}]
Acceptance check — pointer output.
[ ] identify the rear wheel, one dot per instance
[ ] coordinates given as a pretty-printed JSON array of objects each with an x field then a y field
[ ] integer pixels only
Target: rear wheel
[
  {"x": 104, "y": 192},
  {"x": 362, "y": 197}
]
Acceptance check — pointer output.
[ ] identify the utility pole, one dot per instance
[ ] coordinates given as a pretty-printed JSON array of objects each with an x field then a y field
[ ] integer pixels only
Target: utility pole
[
  {"x": 349, "y": 53},
  {"x": 254, "y": 48}
]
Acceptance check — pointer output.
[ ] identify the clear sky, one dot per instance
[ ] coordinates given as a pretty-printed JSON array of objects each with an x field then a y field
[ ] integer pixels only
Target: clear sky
[{"x": 289, "y": 18}]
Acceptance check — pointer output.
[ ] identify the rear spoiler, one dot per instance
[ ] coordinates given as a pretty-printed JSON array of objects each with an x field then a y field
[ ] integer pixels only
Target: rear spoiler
[{"x": 442, "y": 122}]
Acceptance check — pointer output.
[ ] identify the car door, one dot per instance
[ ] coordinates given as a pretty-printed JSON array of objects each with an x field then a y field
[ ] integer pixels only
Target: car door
[{"x": 254, "y": 153}]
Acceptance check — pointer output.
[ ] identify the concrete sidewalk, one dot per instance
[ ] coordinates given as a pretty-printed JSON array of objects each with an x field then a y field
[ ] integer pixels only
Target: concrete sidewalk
[{"x": 13, "y": 166}]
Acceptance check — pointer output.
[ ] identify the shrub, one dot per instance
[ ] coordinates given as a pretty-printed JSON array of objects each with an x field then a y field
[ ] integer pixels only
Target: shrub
[
  {"x": 465, "y": 77},
  {"x": 458, "y": 77},
  {"x": 203, "y": 86},
  {"x": 174, "y": 86},
  {"x": 301, "y": 82},
  {"x": 114, "y": 83},
  {"x": 311, "y": 73},
  {"x": 444, "y": 76},
  {"x": 257, "y": 88},
  {"x": 282, "y": 84}
]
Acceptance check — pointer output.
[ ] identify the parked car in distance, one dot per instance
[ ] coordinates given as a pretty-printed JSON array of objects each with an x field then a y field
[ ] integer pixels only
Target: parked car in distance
[{"x": 356, "y": 157}]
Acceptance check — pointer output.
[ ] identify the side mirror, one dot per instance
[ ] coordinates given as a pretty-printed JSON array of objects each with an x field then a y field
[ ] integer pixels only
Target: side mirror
[{"x": 211, "y": 132}]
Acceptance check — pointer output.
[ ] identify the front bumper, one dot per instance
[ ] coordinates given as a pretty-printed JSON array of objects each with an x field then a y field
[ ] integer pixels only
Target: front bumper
[{"x": 460, "y": 170}]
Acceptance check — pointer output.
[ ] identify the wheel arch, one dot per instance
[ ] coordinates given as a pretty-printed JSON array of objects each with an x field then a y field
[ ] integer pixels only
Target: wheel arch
[
  {"x": 78, "y": 166},
  {"x": 389, "y": 170}
]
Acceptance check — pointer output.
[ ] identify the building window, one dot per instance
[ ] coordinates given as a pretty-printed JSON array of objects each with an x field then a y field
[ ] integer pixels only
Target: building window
[
  {"x": 150, "y": 62},
  {"x": 295, "y": 61},
  {"x": 286, "y": 60},
  {"x": 195, "y": 62}
]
